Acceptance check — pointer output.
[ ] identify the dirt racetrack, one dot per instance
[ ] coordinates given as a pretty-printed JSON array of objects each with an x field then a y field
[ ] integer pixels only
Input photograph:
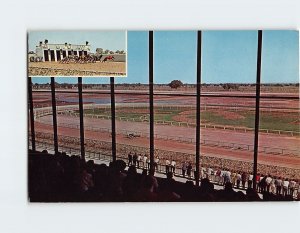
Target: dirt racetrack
[
  {"x": 272, "y": 141},
  {"x": 72, "y": 69},
  {"x": 276, "y": 152}
]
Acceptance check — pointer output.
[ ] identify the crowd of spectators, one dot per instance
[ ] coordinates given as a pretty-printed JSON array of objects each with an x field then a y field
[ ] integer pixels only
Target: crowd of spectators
[
  {"x": 220, "y": 175},
  {"x": 63, "y": 178}
]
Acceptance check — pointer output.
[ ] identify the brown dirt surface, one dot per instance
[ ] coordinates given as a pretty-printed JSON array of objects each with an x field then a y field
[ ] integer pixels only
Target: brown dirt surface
[
  {"x": 72, "y": 69},
  {"x": 265, "y": 160}
]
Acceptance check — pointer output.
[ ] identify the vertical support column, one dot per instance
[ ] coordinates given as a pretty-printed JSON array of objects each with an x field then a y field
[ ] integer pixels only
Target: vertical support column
[
  {"x": 55, "y": 55},
  {"x": 113, "y": 118},
  {"x": 199, "y": 40},
  {"x": 49, "y": 55},
  {"x": 257, "y": 105},
  {"x": 54, "y": 116},
  {"x": 151, "y": 101},
  {"x": 31, "y": 114},
  {"x": 43, "y": 55},
  {"x": 81, "y": 118}
]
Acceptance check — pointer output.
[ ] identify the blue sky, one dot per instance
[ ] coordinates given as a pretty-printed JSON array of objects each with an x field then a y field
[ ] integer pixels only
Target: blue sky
[{"x": 227, "y": 56}]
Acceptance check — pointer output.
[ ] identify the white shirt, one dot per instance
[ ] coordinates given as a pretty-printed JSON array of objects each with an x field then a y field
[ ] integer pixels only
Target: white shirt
[
  {"x": 285, "y": 183},
  {"x": 156, "y": 160},
  {"x": 250, "y": 177},
  {"x": 173, "y": 163},
  {"x": 145, "y": 159},
  {"x": 268, "y": 180},
  {"x": 167, "y": 162},
  {"x": 292, "y": 184}
]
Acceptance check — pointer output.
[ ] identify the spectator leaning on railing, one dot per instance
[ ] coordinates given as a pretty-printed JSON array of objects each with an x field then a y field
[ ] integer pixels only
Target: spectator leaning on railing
[
  {"x": 167, "y": 162},
  {"x": 183, "y": 168},
  {"x": 285, "y": 187},
  {"x": 156, "y": 162},
  {"x": 173, "y": 165}
]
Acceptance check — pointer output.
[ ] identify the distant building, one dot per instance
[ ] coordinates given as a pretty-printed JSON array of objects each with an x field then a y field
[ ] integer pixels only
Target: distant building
[{"x": 56, "y": 52}]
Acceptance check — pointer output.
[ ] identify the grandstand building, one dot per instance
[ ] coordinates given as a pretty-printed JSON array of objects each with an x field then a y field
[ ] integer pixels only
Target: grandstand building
[{"x": 56, "y": 52}]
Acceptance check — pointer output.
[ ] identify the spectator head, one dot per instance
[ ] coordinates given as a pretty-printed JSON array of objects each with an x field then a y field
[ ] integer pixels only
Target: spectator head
[
  {"x": 189, "y": 183},
  {"x": 170, "y": 175},
  {"x": 150, "y": 182},
  {"x": 132, "y": 170},
  {"x": 144, "y": 172},
  {"x": 118, "y": 165},
  {"x": 228, "y": 186}
]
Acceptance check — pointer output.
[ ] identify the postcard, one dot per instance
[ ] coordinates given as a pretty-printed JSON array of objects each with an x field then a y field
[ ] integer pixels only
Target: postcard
[{"x": 197, "y": 116}]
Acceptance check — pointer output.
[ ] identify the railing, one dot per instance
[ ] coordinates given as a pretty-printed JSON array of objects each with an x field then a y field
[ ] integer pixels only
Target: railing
[
  {"x": 69, "y": 111},
  {"x": 186, "y": 124},
  {"x": 211, "y": 143}
]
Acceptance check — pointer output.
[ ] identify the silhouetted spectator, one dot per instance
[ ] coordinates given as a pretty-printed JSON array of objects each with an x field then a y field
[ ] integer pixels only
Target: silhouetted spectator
[
  {"x": 167, "y": 165},
  {"x": 131, "y": 183},
  {"x": 183, "y": 168},
  {"x": 130, "y": 159},
  {"x": 244, "y": 179},
  {"x": 167, "y": 192},
  {"x": 146, "y": 192},
  {"x": 189, "y": 169},
  {"x": 263, "y": 184},
  {"x": 156, "y": 162},
  {"x": 135, "y": 159},
  {"x": 173, "y": 165},
  {"x": 278, "y": 184}
]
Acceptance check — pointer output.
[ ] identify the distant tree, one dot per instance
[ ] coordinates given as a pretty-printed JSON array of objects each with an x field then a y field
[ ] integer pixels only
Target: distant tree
[
  {"x": 175, "y": 84},
  {"x": 106, "y": 51},
  {"x": 118, "y": 51},
  {"x": 122, "y": 52},
  {"x": 99, "y": 50},
  {"x": 111, "y": 52},
  {"x": 228, "y": 86},
  {"x": 225, "y": 86}
]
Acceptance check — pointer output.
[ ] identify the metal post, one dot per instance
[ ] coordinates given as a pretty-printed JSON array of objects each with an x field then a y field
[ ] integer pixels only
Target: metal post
[
  {"x": 199, "y": 38},
  {"x": 81, "y": 118},
  {"x": 257, "y": 104},
  {"x": 31, "y": 114},
  {"x": 151, "y": 100},
  {"x": 113, "y": 118},
  {"x": 54, "y": 116}
]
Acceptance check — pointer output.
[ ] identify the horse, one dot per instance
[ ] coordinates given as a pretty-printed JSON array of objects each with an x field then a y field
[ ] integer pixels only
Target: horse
[{"x": 108, "y": 58}]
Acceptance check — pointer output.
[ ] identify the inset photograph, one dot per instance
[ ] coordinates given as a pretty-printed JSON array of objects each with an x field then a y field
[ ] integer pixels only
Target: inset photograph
[{"x": 77, "y": 53}]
